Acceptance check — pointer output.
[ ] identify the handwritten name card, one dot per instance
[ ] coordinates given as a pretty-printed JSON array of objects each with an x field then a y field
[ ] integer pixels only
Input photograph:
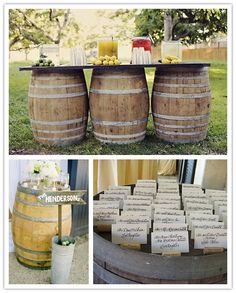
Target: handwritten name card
[
  {"x": 132, "y": 233},
  {"x": 202, "y": 218},
  {"x": 120, "y": 187},
  {"x": 105, "y": 216},
  {"x": 169, "y": 241},
  {"x": 173, "y": 227},
  {"x": 210, "y": 238},
  {"x": 145, "y": 191},
  {"x": 98, "y": 204},
  {"x": 168, "y": 212},
  {"x": 130, "y": 202},
  {"x": 206, "y": 226},
  {"x": 169, "y": 219},
  {"x": 198, "y": 206},
  {"x": 113, "y": 197},
  {"x": 134, "y": 219},
  {"x": 169, "y": 206}
]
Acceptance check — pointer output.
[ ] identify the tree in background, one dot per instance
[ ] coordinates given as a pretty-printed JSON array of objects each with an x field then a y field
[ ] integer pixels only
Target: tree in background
[
  {"x": 29, "y": 28},
  {"x": 190, "y": 26}
]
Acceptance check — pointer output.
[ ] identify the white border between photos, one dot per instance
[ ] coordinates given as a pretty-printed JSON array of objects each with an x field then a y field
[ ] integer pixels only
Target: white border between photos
[{"x": 106, "y": 4}]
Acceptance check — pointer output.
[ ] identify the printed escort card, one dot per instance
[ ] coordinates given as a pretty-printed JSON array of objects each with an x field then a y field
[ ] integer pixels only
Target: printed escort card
[
  {"x": 168, "y": 212},
  {"x": 205, "y": 225},
  {"x": 105, "y": 216},
  {"x": 210, "y": 238},
  {"x": 169, "y": 241},
  {"x": 113, "y": 197},
  {"x": 134, "y": 219},
  {"x": 202, "y": 218},
  {"x": 98, "y": 204},
  {"x": 129, "y": 234},
  {"x": 169, "y": 219},
  {"x": 173, "y": 227}
]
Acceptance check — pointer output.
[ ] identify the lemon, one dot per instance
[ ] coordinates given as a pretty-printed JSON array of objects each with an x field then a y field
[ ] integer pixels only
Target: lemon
[
  {"x": 113, "y": 58},
  {"x": 98, "y": 62},
  {"x": 166, "y": 61},
  {"x": 105, "y": 62},
  {"x": 111, "y": 62},
  {"x": 117, "y": 62}
]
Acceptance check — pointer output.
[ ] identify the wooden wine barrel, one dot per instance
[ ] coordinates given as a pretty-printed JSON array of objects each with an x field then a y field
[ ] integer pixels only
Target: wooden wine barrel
[
  {"x": 119, "y": 105},
  {"x": 181, "y": 101},
  {"x": 33, "y": 226},
  {"x": 116, "y": 265},
  {"x": 58, "y": 106}
]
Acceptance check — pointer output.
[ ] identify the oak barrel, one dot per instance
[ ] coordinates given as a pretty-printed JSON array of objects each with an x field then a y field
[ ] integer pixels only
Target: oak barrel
[
  {"x": 116, "y": 265},
  {"x": 58, "y": 106},
  {"x": 181, "y": 101},
  {"x": 119, "y": 105},
  {"x": 33, "y": 226}
]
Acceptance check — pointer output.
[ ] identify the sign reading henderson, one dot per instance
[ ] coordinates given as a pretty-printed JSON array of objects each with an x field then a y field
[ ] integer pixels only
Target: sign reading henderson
[{"x": 62, "y": 197}]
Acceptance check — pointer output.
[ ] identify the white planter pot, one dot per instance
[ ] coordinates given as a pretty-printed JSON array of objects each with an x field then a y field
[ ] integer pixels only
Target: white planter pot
[{"x": 62, "y": 257}]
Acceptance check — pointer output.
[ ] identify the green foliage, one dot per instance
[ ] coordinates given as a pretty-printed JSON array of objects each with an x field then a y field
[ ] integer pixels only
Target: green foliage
[
  {"x": 188, "y": 25},
  {"x": 31, "y": 27},
  {"x": 21, "y": 140}
]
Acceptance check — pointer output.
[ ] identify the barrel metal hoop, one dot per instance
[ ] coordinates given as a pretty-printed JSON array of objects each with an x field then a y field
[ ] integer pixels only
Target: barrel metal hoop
[
  {"x": 57, "y": 96},
  {"x": 118, "y": 76},
  {"x": 119, "y": 123},
  {"x": 34, "y": 260},
  {"x": 55, "y": 123},
  {"x": 181, "y": 126},
  {"x": 38, "y": 219},
  {"x": 55, "y": 86},
  {"x": 120, "y": 142},
  {"x": 180, "y": 118},
  {"x": 60, "y": 138},
  {"x": 59, "y": 131},
  {"x": 118, "y": 92},
  {"x": 31, "y": 251},
  {"x": 180, "y": 133},
  {"x": 171, "y": 85},
  {"x": 29, "y": 203},
  {"x": 182, "y": 96},
  {"x": 120, "y": 136}
]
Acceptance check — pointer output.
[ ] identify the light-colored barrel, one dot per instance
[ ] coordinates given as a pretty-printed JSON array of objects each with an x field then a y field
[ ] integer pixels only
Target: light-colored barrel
[
  {"x": 58, "y": 107},
  {"x": 119, "y": 105},
  {"x": 33, "y": 226},
  {"x": 181, "y": 101}
]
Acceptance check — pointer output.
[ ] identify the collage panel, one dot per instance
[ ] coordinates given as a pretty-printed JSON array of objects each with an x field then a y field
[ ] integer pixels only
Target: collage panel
[
  {"x": 48, "y": 222},
  {"x": 88, "y": 89},
  {"x": 160, "y": 221}
]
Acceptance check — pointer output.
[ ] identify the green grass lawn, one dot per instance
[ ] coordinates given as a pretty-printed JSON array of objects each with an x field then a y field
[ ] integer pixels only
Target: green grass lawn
[{"x": 21, "y": 140}]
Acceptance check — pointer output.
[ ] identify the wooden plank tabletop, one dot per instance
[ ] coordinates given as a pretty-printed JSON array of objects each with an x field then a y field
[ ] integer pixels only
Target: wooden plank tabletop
[{"x": 108, "y": 67}]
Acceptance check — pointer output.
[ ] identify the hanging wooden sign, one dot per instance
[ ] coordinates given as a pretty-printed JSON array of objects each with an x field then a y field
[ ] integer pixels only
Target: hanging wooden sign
[{"x": 62, "y": 197}]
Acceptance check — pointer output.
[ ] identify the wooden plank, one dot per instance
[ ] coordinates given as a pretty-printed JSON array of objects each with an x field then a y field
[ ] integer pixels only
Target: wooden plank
[
  {"x": 213, "y": 250},
  {"x": 123, "y": 66},
  {"x": 171, "y": 253},
  {"x": 134, "y": 246}
]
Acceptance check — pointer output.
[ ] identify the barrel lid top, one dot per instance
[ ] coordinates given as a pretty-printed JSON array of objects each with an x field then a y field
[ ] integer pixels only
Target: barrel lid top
[{"x": 105, "y": 67}]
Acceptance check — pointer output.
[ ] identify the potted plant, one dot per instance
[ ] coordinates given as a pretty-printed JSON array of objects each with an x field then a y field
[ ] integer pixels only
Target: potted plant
[{"x": 62, "y": 256}]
